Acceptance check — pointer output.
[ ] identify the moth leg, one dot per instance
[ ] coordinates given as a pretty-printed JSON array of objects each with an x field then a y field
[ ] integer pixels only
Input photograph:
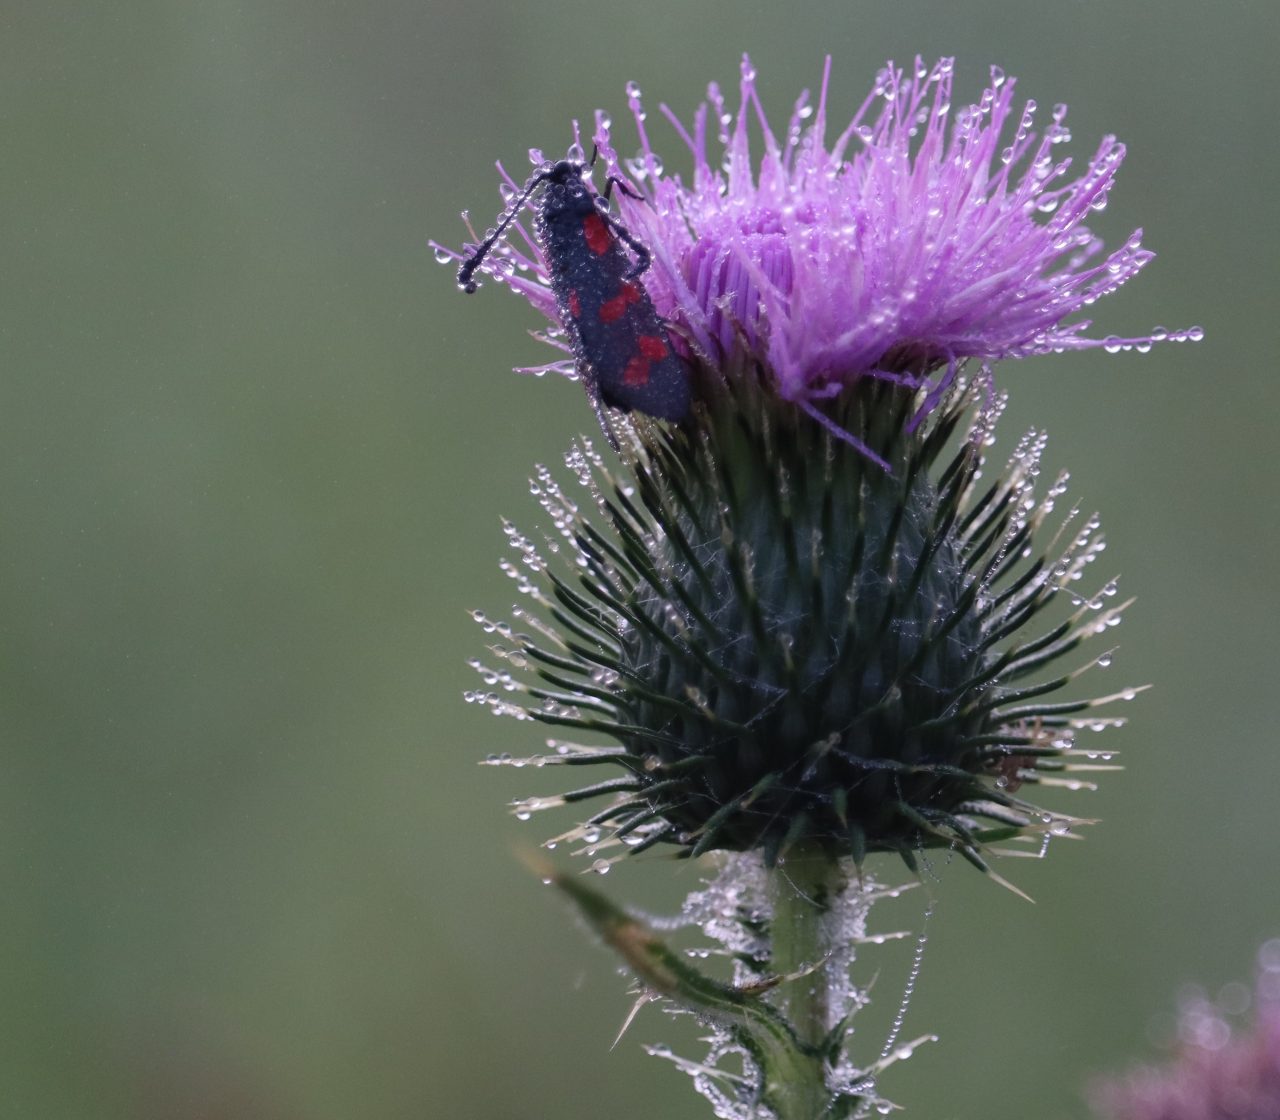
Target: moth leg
[
  {"x": 643, "y": 257},
  {"x": 587, "y": 376}
]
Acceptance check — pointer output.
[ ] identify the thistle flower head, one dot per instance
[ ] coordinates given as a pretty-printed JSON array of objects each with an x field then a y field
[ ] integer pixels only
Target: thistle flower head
[
  {"x": 1221, "y": 1072},
  {"x": 800, "y": 613}
]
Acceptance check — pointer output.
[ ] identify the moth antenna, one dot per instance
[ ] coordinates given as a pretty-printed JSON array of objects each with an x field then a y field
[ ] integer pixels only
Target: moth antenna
[{"x": 469, "y": 266}]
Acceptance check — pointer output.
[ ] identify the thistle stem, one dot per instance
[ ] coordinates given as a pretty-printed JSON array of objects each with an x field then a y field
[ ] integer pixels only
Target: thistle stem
[{"x": 803, "y": 889}]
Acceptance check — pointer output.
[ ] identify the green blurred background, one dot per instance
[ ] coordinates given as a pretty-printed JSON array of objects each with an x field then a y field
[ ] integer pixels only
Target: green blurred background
[{"x": 255, "y": 449}]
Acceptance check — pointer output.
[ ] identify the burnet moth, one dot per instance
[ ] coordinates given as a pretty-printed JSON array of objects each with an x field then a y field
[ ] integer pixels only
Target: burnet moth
[{"x": 621, "y": 348}]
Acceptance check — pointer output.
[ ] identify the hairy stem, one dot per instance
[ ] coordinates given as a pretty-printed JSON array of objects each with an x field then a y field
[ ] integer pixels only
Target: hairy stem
[{"x": 803, "y": 888}]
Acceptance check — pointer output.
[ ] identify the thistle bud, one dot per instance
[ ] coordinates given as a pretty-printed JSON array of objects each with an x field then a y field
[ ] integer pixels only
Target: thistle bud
[{"x": 792, "y": 645}]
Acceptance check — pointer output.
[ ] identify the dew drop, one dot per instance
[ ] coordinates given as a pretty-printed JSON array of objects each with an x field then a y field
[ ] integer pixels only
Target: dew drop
[{"x": 1269, "y": 956}]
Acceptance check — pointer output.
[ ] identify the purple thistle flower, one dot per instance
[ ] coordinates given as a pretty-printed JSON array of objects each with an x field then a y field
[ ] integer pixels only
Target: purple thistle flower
[
  {"x": 809, "y": 624},
  {"x": 1220, "y": 1073},
  {"x": 797, "y": 609},
  {"x": 919, "y": 238}
]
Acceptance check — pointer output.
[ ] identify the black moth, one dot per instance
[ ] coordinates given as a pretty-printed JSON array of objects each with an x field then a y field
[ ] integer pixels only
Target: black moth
[{"x": 621, "y": 347}]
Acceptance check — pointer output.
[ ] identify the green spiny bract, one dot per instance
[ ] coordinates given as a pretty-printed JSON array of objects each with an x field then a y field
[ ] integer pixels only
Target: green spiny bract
[{"x": 790, "y": 644}]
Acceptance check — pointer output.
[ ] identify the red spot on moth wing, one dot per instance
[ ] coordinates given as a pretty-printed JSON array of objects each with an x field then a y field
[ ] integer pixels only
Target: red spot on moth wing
[
  {"x": 596, "y": 231},
  {"x": 575, "y": 308},
  {"x": 652, "y": 346},
  {"x": 613, "y": 309},
  {"x": 637, "y": 371}
]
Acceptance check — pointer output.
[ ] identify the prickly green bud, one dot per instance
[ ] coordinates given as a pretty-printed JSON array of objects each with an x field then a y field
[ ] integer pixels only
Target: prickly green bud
[{"x": 790, "y": 644}]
